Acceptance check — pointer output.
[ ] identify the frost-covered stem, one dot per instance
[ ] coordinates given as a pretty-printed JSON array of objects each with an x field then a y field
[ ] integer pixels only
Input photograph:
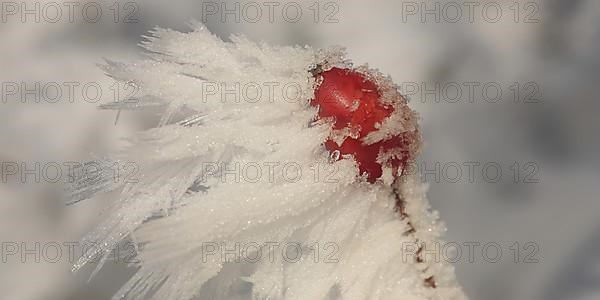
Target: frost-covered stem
[{"x": 411, "y": 232}]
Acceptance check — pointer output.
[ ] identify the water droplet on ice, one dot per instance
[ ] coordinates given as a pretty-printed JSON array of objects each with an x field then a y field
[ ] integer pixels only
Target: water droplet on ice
[{"x": 335, "y": 155}]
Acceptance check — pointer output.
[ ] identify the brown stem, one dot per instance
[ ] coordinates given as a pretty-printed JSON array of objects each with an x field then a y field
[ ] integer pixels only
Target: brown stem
[{"x": 400, "y": 207}]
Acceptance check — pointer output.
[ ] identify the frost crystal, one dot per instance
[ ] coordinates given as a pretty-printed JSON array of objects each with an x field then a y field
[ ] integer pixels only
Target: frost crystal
[{"x": 200, "y": 219}]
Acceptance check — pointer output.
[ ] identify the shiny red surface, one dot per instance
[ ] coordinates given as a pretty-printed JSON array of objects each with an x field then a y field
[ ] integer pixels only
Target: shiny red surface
[{"x": 354, "y": 103}]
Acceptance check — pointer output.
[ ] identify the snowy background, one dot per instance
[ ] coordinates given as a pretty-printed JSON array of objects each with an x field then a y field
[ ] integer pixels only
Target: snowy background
[{"x": 552, "y": 141}]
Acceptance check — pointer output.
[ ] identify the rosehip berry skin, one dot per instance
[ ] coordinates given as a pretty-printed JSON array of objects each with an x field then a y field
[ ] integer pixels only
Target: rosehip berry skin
[{"x": 354, "y": 103}]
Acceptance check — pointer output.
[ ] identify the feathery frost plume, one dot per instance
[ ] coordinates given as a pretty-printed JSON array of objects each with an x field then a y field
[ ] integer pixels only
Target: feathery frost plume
[{"x": 236, "y": 196}]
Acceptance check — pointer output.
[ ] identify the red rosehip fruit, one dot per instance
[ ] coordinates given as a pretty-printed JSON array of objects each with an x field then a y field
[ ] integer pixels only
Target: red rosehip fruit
[{"x": 371, "y": 120}]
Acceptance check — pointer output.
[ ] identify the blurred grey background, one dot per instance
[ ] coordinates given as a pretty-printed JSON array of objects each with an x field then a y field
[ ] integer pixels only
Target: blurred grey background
[{"x": 541, "y": 132}]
